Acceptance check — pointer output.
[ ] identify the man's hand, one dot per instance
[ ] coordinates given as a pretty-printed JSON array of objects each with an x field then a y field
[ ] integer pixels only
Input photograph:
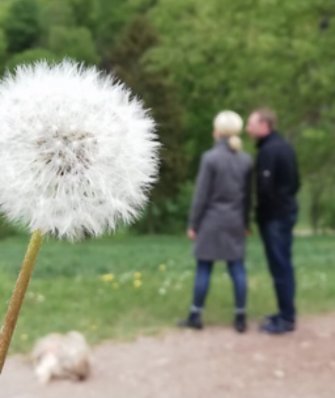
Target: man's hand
[{"x": 191, "y": 234}]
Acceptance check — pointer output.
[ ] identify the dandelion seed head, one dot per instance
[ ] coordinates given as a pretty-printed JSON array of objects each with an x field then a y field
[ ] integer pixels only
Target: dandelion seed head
[{"x": 78, "y": 152}]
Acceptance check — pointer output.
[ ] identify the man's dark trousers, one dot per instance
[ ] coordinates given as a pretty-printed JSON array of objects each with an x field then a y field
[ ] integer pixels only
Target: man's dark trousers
[{"x": 277, "y": 235}]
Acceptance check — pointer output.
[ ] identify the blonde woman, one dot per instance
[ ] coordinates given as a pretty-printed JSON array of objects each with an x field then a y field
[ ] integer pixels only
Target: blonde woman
[{"x": 219, "y": 216}]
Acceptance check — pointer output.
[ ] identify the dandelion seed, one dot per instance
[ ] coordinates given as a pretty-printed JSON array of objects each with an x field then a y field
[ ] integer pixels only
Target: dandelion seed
[{"x": 167, "y": 283}]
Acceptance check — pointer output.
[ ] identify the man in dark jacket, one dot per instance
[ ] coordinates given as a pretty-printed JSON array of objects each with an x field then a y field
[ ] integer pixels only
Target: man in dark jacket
[{"x": 277, "y": 183}]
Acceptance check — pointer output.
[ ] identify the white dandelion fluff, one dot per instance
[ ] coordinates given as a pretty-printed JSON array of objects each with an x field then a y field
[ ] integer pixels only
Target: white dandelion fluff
[{"x": 78, "y": 152}]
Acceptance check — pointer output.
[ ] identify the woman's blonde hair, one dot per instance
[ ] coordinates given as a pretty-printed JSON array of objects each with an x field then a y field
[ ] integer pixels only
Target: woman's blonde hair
[{"x": 228, "y": 124}]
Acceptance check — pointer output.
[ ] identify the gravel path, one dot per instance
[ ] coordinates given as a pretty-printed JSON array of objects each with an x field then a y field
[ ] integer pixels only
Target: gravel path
[{"x": 214, "y": 363}]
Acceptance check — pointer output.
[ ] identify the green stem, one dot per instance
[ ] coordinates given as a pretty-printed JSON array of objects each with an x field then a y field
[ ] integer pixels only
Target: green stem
[{"x": 18, "y": 294}]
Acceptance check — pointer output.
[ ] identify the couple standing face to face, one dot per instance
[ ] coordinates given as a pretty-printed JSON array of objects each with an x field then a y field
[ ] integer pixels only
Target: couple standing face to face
[
  {"x": 219, "y": 214},
  {"x": 260, "y": 124}
]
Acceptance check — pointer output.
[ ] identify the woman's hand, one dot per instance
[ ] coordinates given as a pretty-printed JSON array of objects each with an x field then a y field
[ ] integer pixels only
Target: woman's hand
[{"x": 191, "y": 234}]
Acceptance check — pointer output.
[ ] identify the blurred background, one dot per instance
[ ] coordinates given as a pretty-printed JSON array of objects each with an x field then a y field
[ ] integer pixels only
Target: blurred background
[{"x": 188, "y": 60}]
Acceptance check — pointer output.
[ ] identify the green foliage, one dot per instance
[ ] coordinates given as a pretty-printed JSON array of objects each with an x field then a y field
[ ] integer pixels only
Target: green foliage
[
  {"x": 22, "y": 25},
  {"x": 56, "y": 13},
  {"x": 76, "y": 43},
  {"x": 85, "y": 12},
  {"x": 169, "y": 215},
  {"x": 6, "y": 229},
  {"x": 3, "y": 49},
  {"x": 243, "y": 54},
  {"x": 113, "y": 16},
  {"x": 316, "y": 156},
  {"x": 328, "y": 212},
  {"x": 158, "y": 92},
  {"x": 31, "y": 56}
]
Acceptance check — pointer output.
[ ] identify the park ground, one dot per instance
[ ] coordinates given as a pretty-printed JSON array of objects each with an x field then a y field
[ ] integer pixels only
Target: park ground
[
  {"x": 214, "y": 363},
  {"x": 126, "y": 293}
]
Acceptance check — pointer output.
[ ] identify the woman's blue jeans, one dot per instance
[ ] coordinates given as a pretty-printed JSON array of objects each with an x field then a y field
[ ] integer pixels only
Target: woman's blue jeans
[{"x": 238, "y": 276}]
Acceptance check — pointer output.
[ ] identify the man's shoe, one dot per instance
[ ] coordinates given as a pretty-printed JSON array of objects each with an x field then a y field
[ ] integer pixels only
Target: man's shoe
[
  {"x": 240, "y": 323},
  {"x": 275, "y": 324},
  {"x": 271, "y": 318},
  {"x": 192, "y": 322}
]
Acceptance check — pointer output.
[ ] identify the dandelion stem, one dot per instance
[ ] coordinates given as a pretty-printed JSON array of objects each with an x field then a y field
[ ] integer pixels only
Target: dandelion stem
[{"x": 18, "y": 294}]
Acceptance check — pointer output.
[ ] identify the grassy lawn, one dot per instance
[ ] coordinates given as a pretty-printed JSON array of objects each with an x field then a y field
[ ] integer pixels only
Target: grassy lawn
[{"x": 125, "y": 286}]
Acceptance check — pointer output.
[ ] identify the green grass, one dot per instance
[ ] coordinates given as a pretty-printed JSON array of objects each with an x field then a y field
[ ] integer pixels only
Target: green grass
[{"x": 67, "y": 291}]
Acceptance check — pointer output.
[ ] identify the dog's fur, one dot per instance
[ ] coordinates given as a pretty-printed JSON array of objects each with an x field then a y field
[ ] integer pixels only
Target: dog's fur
[{"x": 61, "y": 356}]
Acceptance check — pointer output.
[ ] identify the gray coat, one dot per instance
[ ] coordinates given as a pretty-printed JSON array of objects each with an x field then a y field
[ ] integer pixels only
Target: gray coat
[{"x": 221, "y": 204}]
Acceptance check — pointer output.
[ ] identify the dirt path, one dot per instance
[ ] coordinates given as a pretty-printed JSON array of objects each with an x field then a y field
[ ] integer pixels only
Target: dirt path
[{"x": 214, "y": 363}]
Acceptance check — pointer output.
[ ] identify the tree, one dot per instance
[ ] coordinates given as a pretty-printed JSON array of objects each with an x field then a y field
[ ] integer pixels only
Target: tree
[
  {"x": 22, "y": 25},
  {"x": 190, "y": 59},
  {"x": 56, "y": 13},
  {"x": 113, "y": 16},
  {"x": 31, "y": 56},
  {"x": 74, "y": 42},
  {"x": 244, "y": 54},
  {"x": 127, "y": 60},
  {"x": 3, "y": 49},
  {"x": 86, "y": 13},
  {"x": 316, "y": 156}
]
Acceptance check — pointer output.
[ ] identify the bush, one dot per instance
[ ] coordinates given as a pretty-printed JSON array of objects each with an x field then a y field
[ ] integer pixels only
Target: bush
[
  {"x": 328, "y": 213},
  {"x": 6, "y": 229},
  {"x": 75, "y": 43},
  {"x": 22, "y": 25},
  {"x": 31, "y": 56},
  {"x": 169, "y": 216}
]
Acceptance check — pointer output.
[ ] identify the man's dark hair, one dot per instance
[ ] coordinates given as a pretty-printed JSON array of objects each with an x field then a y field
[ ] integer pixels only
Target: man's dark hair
[{"x": 268, "y": 116}]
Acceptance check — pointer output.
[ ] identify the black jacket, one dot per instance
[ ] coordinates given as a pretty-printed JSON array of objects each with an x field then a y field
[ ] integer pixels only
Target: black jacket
[{"x": 277, "y": 178}]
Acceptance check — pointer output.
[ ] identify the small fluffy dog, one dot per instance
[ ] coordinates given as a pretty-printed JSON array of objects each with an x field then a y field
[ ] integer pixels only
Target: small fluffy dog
[{"x": 61, "y": 356}]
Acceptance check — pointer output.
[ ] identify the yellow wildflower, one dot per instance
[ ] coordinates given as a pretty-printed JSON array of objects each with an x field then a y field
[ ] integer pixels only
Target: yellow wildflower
[
  {"x": 107, "y": 277},
  {"x": 137, "y": 275},
  {"x": 137, "y": 283},
  {"x": 24, "y": 337},
  {"x": 162, "y": 267}
]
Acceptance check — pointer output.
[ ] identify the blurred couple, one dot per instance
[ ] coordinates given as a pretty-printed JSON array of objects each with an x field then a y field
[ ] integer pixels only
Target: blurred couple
[{"x": 219, "y": 219}]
